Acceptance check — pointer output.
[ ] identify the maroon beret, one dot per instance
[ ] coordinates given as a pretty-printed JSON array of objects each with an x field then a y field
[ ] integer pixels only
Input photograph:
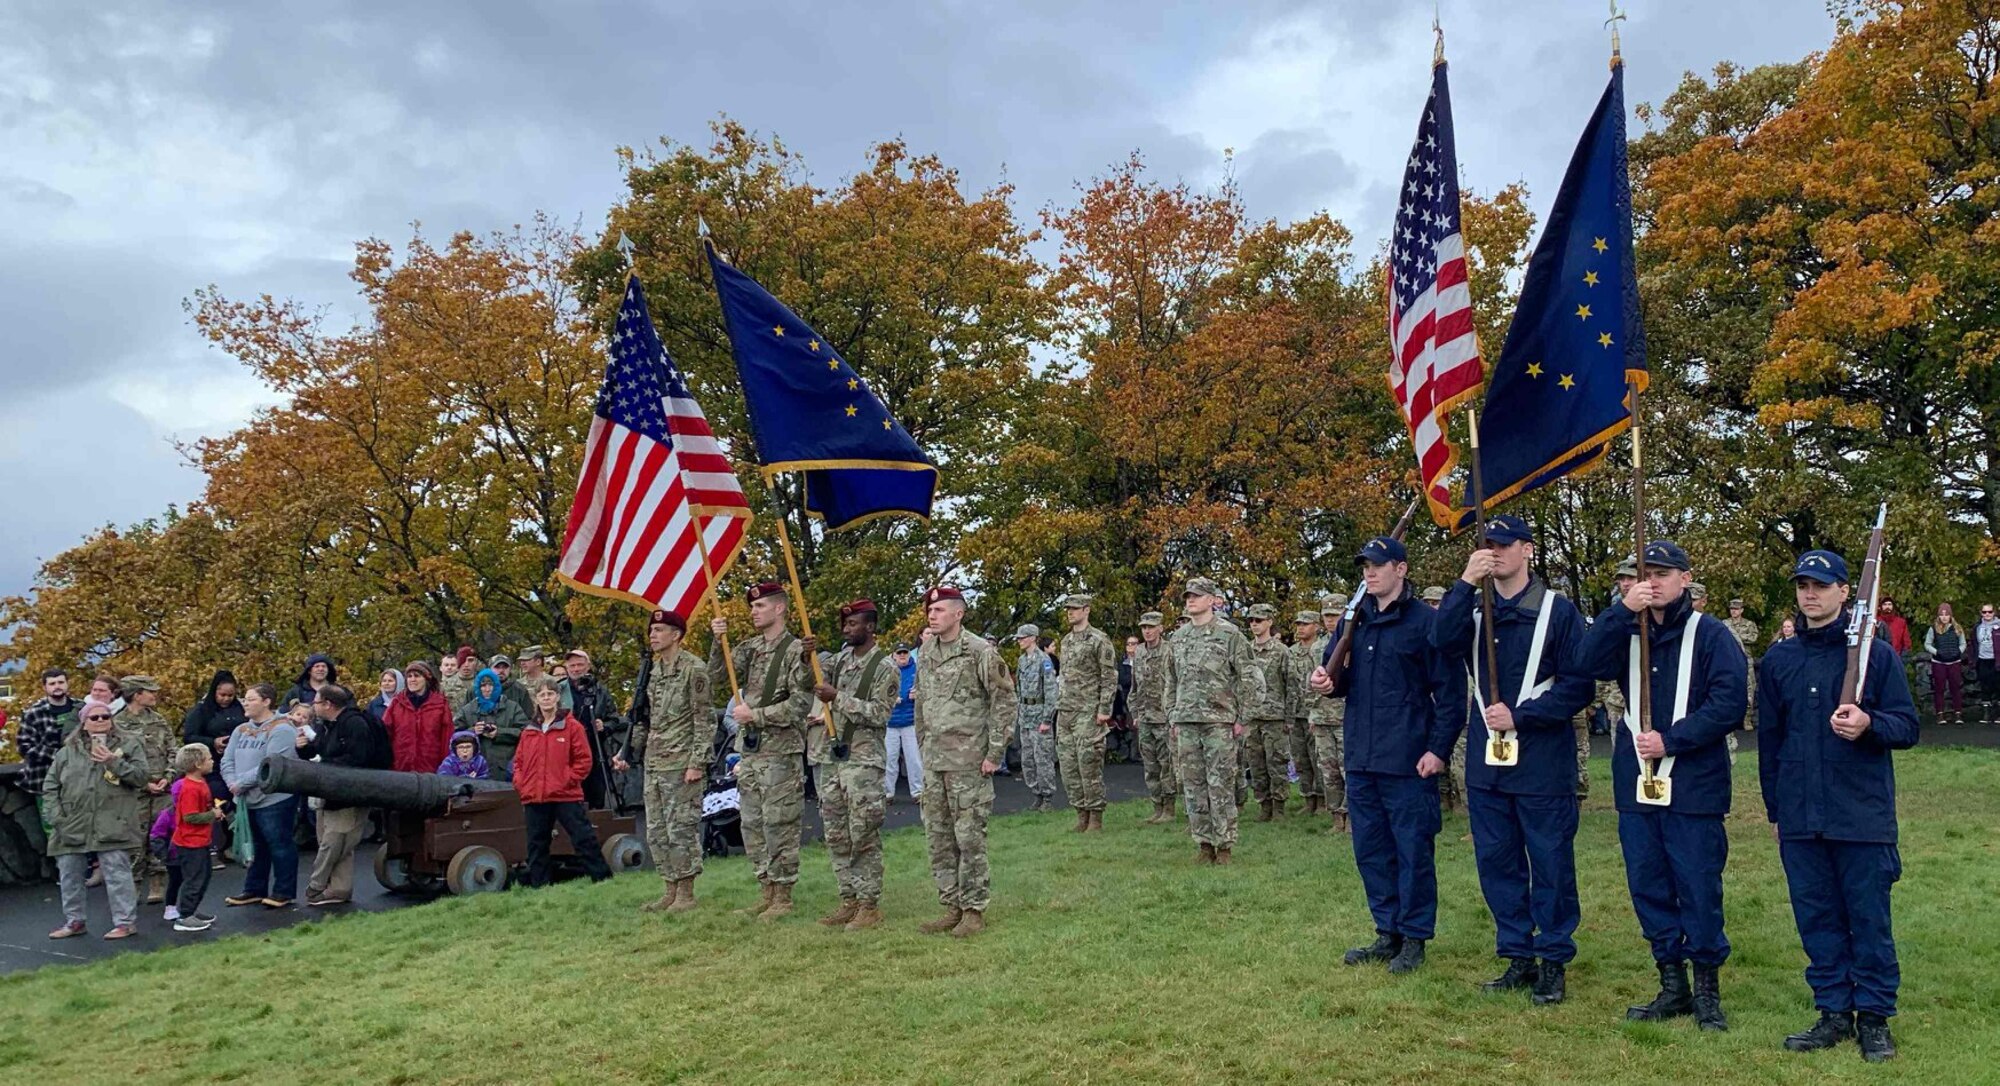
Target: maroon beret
[
  {"x": 762, "y": 589},
  {"x": 943, "y": 592},
  {"x": 664, "y": 618},
  {"x": 858, "y": 607}
]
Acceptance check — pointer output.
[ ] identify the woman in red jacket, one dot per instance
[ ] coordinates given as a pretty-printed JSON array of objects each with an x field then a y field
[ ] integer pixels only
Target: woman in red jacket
[
  {"x": 549, "y": 767},
  {"x": 419, "y": 721}
]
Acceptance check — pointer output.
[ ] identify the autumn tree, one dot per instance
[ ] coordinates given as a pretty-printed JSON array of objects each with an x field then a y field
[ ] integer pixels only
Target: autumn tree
[{"x": 1818, "y": 268}]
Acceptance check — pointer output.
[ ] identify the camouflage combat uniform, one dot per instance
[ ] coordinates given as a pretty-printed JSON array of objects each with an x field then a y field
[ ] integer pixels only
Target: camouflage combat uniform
[
  {"x": 1328, "y": 717},
  {"x": 964, "y": 702},
  {"x": 1149, "y": 710},
  {"x": 1267, "y": 739},
  {"x": 674, "y": 739},
  {"x": 1212, "y": 681},
  {"x": 1746, "y": 635},
  {"x": 1035, "y": 694},
  {"x": 1298, "y": 709},
  {"x": 851, "y": 801},
  {"x": 770, "y": 781},
  {"x": 160, "y": 741},
  {"x": 1089, "y": 687}
]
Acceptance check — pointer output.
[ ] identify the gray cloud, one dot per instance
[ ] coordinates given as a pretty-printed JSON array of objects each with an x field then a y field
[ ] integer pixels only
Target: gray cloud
[{"x": 155, "y": 148}]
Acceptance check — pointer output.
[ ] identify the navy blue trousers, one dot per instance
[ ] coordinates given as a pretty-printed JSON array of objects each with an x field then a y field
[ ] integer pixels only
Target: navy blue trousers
[
  {"x": 1673, "y": 867},
  {"x": 1525, "y": 847},
  {"x": 1840, "y": 899},
  {"x": 1395, "y": 823}
]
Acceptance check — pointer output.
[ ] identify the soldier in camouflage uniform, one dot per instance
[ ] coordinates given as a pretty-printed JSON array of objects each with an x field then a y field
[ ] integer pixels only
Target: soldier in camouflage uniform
[
  {"x": 1035, "y": 719},
  {"x": 1299, "y": 663},
  {"x": 860, "y": 693},
  {"x": 1267, "y": 738},
  {"x": 1326, "y": 717},
  {"x": 1149, "y": 711},
  {"x": 160, "y": 741},
  {"x": 770, "y": 716},
  {"x": 1746, "y": 635},
  {"x": 1212, "y": 683},
  {"x": 1084, "y": 698},
  {"x": 671, "y": 740},
  {"x": 965, "y": 704}
]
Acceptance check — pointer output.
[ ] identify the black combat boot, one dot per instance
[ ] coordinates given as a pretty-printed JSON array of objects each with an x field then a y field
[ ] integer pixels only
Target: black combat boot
[
  {"x": 1873, "y": 1032},
  {"x": 1382, "y": 949},
  {"x": 1674, "y": 1000},
  {"x": 1408, "y": 958},
  {"x": 1552, "y": 986},
  {"x": 1832, "y": 1028},
  {"x": 1521, "y": 973},
  {"x": 1708, "y": 999}
]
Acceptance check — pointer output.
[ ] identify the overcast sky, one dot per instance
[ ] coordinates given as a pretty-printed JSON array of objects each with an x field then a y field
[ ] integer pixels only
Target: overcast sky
[{"x": 148, "y": 149}]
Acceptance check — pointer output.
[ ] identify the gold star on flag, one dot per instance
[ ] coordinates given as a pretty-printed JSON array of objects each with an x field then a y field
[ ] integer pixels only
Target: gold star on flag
[
  {"x": 1590, "y": 279},
  {"x": 1599, "y": 245},
  {"x": 1604, "y": 339},
  {"x": 1534, "y": 369},
  {"x": 885, "y": 424},
  {"x": 852, "y": 384},
  {"x": 813, "y": 345},
  {"x": 777, "y": 329},
  {"x": 850, "y": 411},
  {"x": 1583, "y": 312},
  {"x": 1567, "y": 381},
  {"x": 833, "y": 363}
]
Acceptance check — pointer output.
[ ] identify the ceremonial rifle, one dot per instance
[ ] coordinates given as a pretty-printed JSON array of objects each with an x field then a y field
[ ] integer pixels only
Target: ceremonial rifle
[
  {"x": 1336, "y": 657},
  {"x": 1861, "y": 617}
]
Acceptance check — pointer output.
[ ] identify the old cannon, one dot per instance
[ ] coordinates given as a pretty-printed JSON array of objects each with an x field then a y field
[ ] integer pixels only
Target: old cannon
[{"x": 468, "y": 833}]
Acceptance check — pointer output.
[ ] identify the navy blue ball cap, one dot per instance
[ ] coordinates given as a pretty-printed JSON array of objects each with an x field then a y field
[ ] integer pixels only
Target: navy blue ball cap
[
  {"x": 1382, "y": 550},
  {"x": 1825, "y": 567},
  {"x": 1666, "y": 554},
  {"x": 1508, "y": 529}
]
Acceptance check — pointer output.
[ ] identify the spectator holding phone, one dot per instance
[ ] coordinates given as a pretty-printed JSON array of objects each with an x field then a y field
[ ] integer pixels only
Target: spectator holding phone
[{"x": 496, "y": 719}]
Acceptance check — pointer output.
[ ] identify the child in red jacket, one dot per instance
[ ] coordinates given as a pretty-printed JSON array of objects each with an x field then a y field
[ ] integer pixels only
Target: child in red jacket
[{"x": 195, "y": 814}]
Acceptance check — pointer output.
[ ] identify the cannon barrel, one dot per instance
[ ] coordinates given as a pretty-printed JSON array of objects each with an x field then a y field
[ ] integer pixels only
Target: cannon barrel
[{"x": 418, "y": 793}]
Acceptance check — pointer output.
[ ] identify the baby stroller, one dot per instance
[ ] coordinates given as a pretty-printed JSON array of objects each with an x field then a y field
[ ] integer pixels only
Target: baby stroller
[{"x": 721, "y": 818}]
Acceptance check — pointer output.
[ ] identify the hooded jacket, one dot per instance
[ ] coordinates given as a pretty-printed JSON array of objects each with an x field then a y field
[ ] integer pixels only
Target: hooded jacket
[
  {"x": 92, "y": 807},
  {"x": 302, "y": 690},
  {"x": 500, "y": 711},
  {"x": 210, "y": 720},
  {"x": 454, "y": 766},
  {"x": 345, "y": 740},
  {"x": 419, "y": 730},
  {"x": 552, "y": 761}
]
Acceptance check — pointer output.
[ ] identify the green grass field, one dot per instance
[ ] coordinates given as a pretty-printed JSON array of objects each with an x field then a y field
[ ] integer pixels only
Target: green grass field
[{"x": 1111, "y": 959}]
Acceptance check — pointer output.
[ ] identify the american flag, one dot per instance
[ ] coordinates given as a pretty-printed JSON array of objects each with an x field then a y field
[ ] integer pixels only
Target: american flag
[
  {"x": 651, "y": 471},
  {"x": 1435, "y": 362}
]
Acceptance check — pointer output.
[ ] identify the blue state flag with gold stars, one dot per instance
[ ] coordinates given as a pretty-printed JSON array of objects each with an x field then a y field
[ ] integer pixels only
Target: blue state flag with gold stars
[
  {"x": 811, "y": 413},
  {"x": 1558, "y": 395}
]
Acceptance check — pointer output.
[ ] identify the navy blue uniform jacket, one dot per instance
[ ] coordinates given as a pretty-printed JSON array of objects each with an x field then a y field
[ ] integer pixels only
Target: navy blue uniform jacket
[
  {"x": 1718, "y": 696},
  {"x": 1815, "y": 783},
  {"x": 1403, "y": 697},
  {"x": 1547, "y": 765}
]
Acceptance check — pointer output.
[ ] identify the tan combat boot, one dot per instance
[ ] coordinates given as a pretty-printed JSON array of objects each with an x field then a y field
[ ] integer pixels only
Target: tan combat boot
[
  {"x": 969, "y": 923},
  {"x": 781, "y": 902},
  {"x": 683, "y": 896},
  {"x": 1340, "y": 821},
  {"x": 1206, "y": 855},
  {"x": 1160, "y": 814},
  {"x": 1082, "y": 821},
  {"x": 156, "y": 889},
  {"x": 942, "y": 924},
  {"x": 839, "y": 917},
  {"x": 1222, "y": 855},
  {"x": 1264, "y": 810},
  {"x": 1313, "y": 805},
  {"x": 765, "y": 891},
  {"x": 1097, "y": 821},
  {"x": 666, "y": 900},
  {"x": 865, "y": 916}
]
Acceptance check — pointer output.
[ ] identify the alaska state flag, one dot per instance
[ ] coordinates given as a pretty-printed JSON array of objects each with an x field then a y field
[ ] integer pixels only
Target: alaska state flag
[
  {"x": 810, "y": 412},
  {"x": 1557, "y": 397}
]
